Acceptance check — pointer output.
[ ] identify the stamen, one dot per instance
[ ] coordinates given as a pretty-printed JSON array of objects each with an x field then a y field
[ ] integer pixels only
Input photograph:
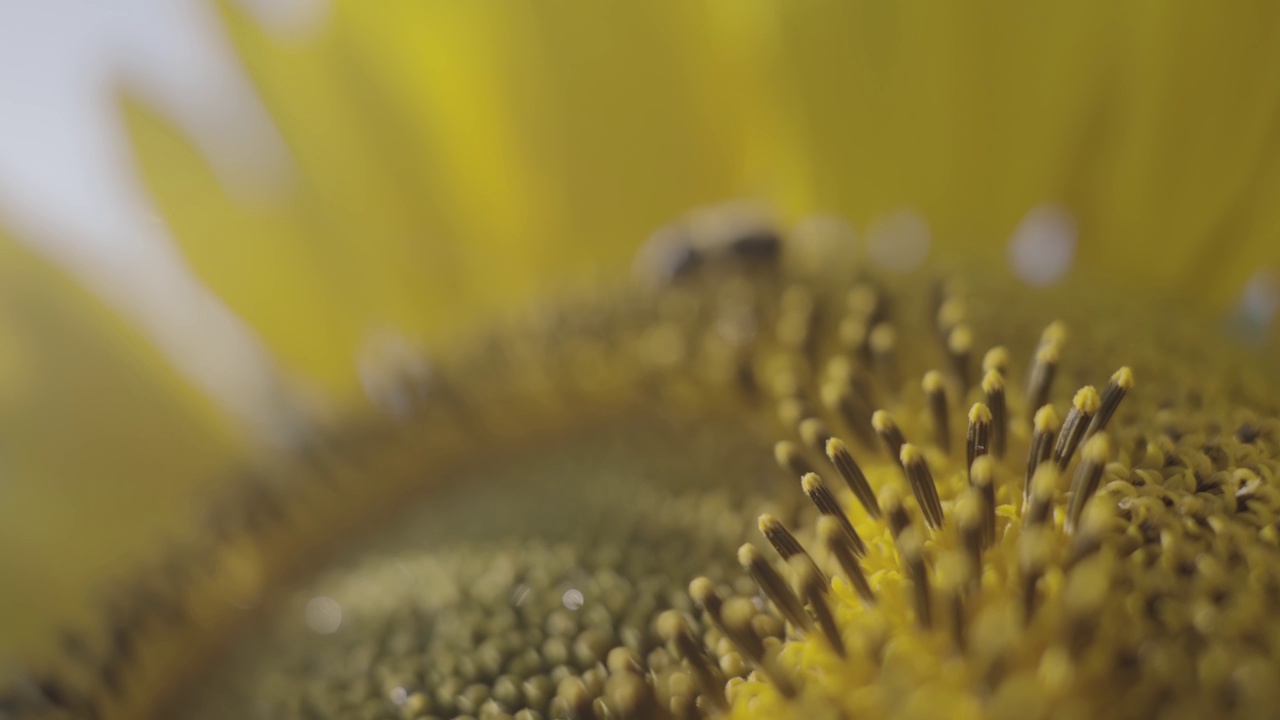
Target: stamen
[
  {"x": 781, "y": 539},
  {"x": 843, "y": 460},
  {"x": 1044, "y": 432},
  {"x": 1035, "y": 550},
  {"x": 922, "y": 485},
  {"x": 1041, "y": 379},
  {"x": 1044, "y": 485},
  {"x": 704, "y": 593},
  {"x": 993, "y": 388},
  {"x": 814, "y": 434},
  {"x": 978, "y": 438},
  {"x": 1095, "y": 522},
  {"x": 841, "y": 399},
  {"x": 737, "y": 615},
  {"x": 791, "y": 458},
  {"x": 822, "y": 498},
  {"x": 837, "y": 542},
  {"x": 969, "y": 517},
  {"x": 1084, "y": 406},
  {"x": 982, "y": 477},
  {"x": 911, "y": 548},
  {"x": 1119, "y": 385},
  {"x": 813, "y": 590},
  {"x": 895, "y": 512},
  {"x": 1094, "y": 458},
  {"x": 954, "y": 579},
  {"x": 935, "y": 394},
  {"x": 960, "y": 350},
  {"x": 673, "y": 630},
  {"x": 889, "y": 434},
  {"x": 773, "y": 586},
  {"x": 997, "y": 358}
]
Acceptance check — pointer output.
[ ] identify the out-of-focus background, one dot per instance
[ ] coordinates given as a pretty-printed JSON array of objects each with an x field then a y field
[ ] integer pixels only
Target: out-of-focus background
[{"x": 222, "y": 220}]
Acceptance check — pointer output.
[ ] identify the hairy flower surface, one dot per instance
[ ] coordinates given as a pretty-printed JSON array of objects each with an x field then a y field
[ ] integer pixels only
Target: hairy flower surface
[{"x": 943, "y": 497}]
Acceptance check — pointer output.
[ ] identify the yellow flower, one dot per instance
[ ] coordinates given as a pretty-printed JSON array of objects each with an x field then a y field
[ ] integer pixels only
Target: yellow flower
[{"x": 456, "y": 160}]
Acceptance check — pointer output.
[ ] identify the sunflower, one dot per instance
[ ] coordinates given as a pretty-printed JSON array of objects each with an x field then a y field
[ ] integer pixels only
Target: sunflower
[{"x": 969, "y": 412}]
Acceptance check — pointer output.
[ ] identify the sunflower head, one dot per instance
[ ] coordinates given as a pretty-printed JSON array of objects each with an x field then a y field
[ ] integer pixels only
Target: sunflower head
[
  {"x": 940, "y": 500},
  {"x": 947, "y": 493}
]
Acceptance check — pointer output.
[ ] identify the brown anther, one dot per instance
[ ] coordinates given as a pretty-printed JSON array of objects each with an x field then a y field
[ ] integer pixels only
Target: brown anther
[
  {"x": 1084, "y": 406},
  {"x": 1040, "y": 382},
  {"x": 960, "y": 350},
  {"x": 978, "y": 437},
  {"x": 814, "y": 592},
  {"x": 773, "y": 586},
  {"x": 890, "y": 436},
  {"x": 955, "y": 579},
  {"x": 837, "y": 542},
  {"x": 825, "y": 501},
  {"x": 993, "y": 389},
  {"x": 935, "y": 394},
  {"x": 791, "y": 458},
  {"x": 1094, "y": 458},
  {"x": 737, "y": 616},
  {"x": 895, "y": 512},
  {"x": 704, "y": 593},
  {"x": 982, "y": 478},
  {"x": 921, "y": 481},
  {"x": 911, "y": 549},
  {"x": 1044, "y": 485},
  {"x": 781, "y": 539},
  {"x": 969, "y": 518},
  {"x": 843, "y": 461},
  {"x": 673, "y": 629},
  {"x": 1044, "y": 432},
  {"x": 1034, "y": 553},
  {"x": 1119, "y": 385}
]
